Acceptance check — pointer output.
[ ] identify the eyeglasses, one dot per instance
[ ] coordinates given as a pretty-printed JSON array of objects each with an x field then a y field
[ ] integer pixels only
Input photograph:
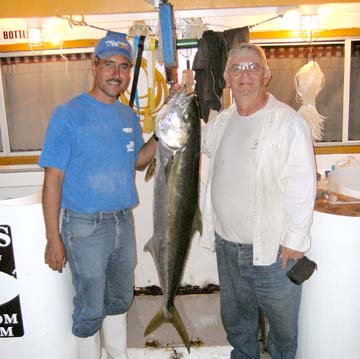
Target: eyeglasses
[{"x": 252, "y": 67}]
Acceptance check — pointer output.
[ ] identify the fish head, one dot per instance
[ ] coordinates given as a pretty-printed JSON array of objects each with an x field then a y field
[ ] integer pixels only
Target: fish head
[{"x": 173, "y": 122}]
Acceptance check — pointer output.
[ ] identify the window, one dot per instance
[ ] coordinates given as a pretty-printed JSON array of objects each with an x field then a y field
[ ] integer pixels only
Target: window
[
  {"x": 354, "y": 108},
  {"x": 285, "y": 61},
  {"x": 32, "y": 87}
]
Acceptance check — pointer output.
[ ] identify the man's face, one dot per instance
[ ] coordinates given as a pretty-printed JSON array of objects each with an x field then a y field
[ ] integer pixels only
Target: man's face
[
  {"x": 247, "y": 76},
  {"x": 111, "y": 77}
]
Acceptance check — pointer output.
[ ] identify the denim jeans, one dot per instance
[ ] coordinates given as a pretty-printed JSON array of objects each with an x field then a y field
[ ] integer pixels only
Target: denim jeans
[
  {"x": 244, "y": 288},
  {"x": 102, "y": 257}
]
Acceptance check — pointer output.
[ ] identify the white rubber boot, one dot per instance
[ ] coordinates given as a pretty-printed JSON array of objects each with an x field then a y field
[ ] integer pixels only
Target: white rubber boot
[
  {"x": 114, "y": 332},
  {"x": 90, "y": 347}
]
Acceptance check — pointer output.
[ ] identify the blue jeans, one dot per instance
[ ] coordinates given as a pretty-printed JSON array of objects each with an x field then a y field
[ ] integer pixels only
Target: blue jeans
[
  {"x": 102, "y": 257},
  {"x": 244, "y": 288}
]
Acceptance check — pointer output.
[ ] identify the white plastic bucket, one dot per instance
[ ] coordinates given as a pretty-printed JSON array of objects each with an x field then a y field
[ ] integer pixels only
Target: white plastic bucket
[
  {"x": 345, "y": 180},
  {"x": 330, "y": 307}
]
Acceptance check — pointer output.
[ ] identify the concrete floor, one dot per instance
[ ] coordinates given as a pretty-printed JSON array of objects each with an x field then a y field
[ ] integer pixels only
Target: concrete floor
[{"x": 201, "y": 316}]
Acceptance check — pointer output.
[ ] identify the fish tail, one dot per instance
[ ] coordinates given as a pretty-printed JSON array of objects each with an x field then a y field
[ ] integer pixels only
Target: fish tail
[
  {"x": 179, "y": 326},
  {"x": 169, "y": 314}
]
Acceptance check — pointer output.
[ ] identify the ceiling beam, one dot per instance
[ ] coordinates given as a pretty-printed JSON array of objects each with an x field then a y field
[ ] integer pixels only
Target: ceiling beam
[{"x": 46, "y": 8}]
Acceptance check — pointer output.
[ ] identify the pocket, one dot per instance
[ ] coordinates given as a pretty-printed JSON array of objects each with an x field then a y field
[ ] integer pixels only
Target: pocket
[
  {"x": 130, "y": 217},
  {"x": 81, "y": 226}
]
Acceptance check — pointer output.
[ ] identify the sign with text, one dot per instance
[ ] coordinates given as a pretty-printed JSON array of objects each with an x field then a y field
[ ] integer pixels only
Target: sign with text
[
  {"x": 14, "y": 34},
  {"x": 11, "y": 323}
]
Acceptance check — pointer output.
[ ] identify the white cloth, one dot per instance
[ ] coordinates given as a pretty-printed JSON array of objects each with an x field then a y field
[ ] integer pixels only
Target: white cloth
[
  {"x": 285, "y": 185},
  {"x": 234, "y": 172}
]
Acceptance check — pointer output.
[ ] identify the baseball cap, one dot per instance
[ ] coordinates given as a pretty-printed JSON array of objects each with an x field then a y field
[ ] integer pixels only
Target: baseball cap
[{"x": 114, "y": 43}]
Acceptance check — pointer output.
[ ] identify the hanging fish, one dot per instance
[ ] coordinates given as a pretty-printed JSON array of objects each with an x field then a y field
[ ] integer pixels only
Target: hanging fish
[{"x": 176, "y": 212}]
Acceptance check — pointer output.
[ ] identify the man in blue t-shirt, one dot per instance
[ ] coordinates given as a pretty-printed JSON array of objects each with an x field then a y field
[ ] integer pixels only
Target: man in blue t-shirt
[{"x": 92, "y": 147}]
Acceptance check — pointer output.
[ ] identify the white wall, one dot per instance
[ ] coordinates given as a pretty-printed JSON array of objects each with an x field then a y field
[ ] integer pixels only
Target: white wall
[{"x": 19, "y": 181}]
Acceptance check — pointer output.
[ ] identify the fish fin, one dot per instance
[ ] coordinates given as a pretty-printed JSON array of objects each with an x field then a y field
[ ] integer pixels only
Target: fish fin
[
  {"x": 169, "y": 315},
  {"x": 197, "y": 224},
  {"x": 173, "y": 160},
  {"x": 167, "y": 168},
  {"x": 180, "y": 327},
  {"x": 150, "y": 171},
  {"x": 149, "y": 247},
  {"x": 155, "y": 322}
]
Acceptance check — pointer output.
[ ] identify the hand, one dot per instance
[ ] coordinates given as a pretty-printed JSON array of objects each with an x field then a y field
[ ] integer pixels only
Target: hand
[
  {"x": 55, "y": 255},
  {"x": 288, "y": 253}
]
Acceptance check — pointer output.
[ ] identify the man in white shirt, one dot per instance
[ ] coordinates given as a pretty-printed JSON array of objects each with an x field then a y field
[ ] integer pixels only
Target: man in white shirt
[{"x": 258, "y": 206}]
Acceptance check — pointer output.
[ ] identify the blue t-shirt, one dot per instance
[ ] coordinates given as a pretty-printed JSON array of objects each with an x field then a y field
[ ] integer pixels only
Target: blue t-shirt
[{"x": 96, "y": 145}]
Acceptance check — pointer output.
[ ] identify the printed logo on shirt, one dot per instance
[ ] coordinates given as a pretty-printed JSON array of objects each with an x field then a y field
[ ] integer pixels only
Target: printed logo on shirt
[
  {"x": 11, "y": 323},
  {"x": 130, "y": 146},
  {"x": 127, "y": 130}
]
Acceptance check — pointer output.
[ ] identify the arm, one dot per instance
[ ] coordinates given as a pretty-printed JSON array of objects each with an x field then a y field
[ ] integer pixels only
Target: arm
[
  {"x": 146, "y": 154},
  {"x": 300, "y": 175},
  {"x": 55, "y": 253}
]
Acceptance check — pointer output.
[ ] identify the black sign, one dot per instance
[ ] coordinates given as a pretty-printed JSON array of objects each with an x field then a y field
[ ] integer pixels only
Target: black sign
[{"x": 11, "y": 323}]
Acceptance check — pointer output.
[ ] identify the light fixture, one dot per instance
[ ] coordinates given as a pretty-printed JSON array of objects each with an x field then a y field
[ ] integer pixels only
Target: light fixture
[
  {"x": 53, "y": 30},
  {"x": 34, "y": 29},
  {"x": 35, "y": 35}
]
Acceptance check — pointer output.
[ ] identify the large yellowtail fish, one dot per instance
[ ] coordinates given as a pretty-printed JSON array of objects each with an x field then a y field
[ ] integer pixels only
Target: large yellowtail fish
[{"x": 176, "y": 211}]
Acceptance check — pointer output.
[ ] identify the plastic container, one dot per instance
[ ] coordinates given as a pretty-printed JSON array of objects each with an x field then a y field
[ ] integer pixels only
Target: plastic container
[
  {"x": 345, "y": 179},
  {"x": 330, "y": 308}
]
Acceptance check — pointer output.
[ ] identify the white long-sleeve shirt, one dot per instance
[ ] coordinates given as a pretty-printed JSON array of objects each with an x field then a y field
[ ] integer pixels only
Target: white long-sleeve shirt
[{"x": 285, "y": 184}]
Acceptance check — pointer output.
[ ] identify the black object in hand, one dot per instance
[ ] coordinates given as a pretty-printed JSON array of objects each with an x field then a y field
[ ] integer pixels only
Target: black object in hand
[{"x": 301, "y": 270}]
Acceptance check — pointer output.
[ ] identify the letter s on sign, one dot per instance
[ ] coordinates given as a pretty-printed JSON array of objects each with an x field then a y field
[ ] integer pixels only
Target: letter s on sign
[{"x": 5, "y": 239}]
